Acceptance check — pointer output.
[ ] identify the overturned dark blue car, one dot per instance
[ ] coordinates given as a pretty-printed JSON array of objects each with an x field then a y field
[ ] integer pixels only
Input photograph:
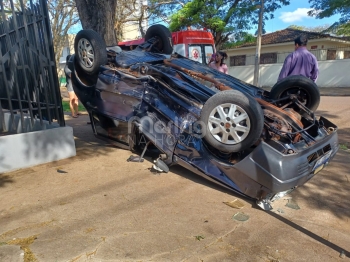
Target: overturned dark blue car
[{"x": 257, "y": 143}]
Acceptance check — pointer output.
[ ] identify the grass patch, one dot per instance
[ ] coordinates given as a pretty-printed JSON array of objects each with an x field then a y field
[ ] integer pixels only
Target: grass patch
[
  {"x": 65, "y": 106},
  {"x": 343, "y": 147}
]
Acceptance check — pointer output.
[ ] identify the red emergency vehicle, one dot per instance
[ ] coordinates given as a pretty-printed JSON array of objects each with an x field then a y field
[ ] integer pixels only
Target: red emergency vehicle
[{"x": 197, "y": 45}]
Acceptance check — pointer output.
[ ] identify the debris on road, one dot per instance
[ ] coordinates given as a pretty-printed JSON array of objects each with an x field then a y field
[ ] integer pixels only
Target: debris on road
[
  {"x": 240, "y": 217},
  {"x": 135, "y": 159},
  {"x": 235, "y": 204},
  {"x": 199, "y": 237},
  {"x": 292, "y": 204},
  {"x": 61, "y": 171}
]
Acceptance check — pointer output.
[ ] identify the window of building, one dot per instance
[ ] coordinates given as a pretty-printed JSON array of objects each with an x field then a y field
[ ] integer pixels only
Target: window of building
[
  {"x": 237, "y": 60},
  {"x": 331, "y": 54},
  {"x": 268, "y": 58},
  {"x": 346, "y": 54}
]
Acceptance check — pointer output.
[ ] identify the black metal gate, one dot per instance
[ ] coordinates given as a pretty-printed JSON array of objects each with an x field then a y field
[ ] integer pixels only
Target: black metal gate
[{"x": 29, "y": 84}]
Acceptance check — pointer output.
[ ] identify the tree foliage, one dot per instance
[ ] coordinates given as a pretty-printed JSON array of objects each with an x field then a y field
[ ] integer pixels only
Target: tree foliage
[
  {"x": 163, "y": 9},
  {"x": 63, "y": 15},
  {"x": 327, "y": 8},
  {"x": 222, "y": 17},
  {"x": 240, "y": 39},
  {"x": 317, "y": 29}
]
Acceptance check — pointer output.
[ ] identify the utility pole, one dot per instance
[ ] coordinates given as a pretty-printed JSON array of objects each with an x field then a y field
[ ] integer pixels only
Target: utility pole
[{"x": 258, "y": 45}]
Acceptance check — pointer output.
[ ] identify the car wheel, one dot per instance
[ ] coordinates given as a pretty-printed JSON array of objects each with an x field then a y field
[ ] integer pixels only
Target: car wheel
[
  {"x": 163, "y": 35},
  {"x": 304, "y": 88},
  {"x": 233, "y": 121},
  {"x": 90, "y": 51}
]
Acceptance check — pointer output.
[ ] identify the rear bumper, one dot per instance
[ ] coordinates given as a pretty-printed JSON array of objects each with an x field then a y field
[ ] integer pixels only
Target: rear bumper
[{"x": 279, "y": 172}]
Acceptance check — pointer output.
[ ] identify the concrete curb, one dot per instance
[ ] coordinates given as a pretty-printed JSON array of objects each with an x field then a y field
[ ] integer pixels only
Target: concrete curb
[{"x": 30, "y": 145}]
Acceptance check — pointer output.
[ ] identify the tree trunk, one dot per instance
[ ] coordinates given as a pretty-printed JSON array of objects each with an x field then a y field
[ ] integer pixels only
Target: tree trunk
[
  {"x": 219, "y": 39},
  {"x": 99, "y": 15}
]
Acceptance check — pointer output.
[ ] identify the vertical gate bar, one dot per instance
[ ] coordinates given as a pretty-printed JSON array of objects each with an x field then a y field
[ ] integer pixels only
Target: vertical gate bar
[
  {"x": 40, "y": 65},
  {"x": 43, "y": 73},
  {"x": 50, "y": 50},
  {"x": 2, "y": 120},
  {"x": 22, "y": 62},
  {"x": 8, "y": 44},
  {"x": 31, "y": 62}
]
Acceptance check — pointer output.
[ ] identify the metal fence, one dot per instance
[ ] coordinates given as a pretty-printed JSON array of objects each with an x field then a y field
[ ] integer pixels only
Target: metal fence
[
  {"x": 324, "y": 54},
  {"x": 29, "y": 86}
]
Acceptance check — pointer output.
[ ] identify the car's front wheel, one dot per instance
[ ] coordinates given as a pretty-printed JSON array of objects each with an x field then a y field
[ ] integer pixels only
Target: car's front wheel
[
  {"x": 301, "y": 87},
  {"x": 233, "y": 121},
  {"x": 90, "y": 51},
  {"x": 164, "y": 39}
]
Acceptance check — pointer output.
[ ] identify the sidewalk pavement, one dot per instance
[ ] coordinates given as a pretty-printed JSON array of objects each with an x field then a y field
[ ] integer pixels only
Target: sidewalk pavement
[{"x": 99, "y": 207}]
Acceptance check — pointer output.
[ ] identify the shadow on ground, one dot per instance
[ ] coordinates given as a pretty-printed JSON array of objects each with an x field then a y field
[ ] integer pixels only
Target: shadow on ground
[
  {"x": 310, "y": 234},
  {"x": 5, "y": 179},
  {"x": 329, "y": 189},
  {"x": 329, "y": 181},
  {"x": 343, "y": 133},
  {"x": 87, "y": 145}
]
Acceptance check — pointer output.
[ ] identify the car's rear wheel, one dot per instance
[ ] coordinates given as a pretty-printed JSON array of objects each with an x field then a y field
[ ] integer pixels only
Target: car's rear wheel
[
  {"x": 301, "y": 87},
  {"x": 233, "y": 121},
  {"x": 90, "y": 51},
  {"x": 164, "y": 40}
]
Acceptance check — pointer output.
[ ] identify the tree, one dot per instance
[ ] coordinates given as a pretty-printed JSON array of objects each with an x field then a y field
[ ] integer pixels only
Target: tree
[
  {"x": 129, "y": 13},
  {"x": 99, "y": 15},
  {"x": 240, "y": 39},
  {"x": 163, "y": 9},
  {"x": 63, "y": 15},
  {"x": 327, "y": 8},
  {"x": 318, "y": 29},
  {"x": 297, "y": 27},
  {"x": 222, "y": 17}
]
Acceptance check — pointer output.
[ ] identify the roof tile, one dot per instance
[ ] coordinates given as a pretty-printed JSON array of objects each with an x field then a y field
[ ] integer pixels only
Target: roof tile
[{"x": 288, "y": 35}]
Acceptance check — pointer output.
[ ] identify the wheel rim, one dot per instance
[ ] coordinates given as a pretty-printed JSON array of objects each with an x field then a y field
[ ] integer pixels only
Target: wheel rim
[
  {"x": 302, "y": 95},
  {"x": 86, "y": 53},
  {"x": 229, "y": 124},
  {"x": 159, "y": 44}
]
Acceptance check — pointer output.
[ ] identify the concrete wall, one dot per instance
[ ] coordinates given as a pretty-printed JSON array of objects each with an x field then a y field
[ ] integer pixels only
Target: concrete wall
[
  {"x": 34, "y": 146},
  {"x": 333, "y": 73},
  {"x": 286, "y": 47}
]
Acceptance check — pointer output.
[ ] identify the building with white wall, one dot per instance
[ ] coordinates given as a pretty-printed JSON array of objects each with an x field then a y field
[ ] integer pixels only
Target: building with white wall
[
  {"x": 333, "y": 54},
  {"x": 68, "y": 49},
  {"x": 131, "y": 30}
]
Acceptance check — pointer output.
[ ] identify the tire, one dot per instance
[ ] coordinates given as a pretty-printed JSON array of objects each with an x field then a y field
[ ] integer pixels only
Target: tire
[
  {"x": 165, "y": 43},
  {"x": 90, "y": 51},
  {"x": 305, "y": 89},
  {"x": 216, "y": 125}
]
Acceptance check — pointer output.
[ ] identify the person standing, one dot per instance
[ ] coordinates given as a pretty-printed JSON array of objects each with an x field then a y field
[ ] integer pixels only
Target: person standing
[
  {"x": 219, "y": 64},
  {"x": 73, "y": 99},
  {"x": 300, "y": 62}
]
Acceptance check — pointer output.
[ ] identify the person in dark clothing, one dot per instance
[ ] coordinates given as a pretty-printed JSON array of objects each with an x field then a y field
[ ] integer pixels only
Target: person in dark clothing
[{"x": 73, "y": 99}]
